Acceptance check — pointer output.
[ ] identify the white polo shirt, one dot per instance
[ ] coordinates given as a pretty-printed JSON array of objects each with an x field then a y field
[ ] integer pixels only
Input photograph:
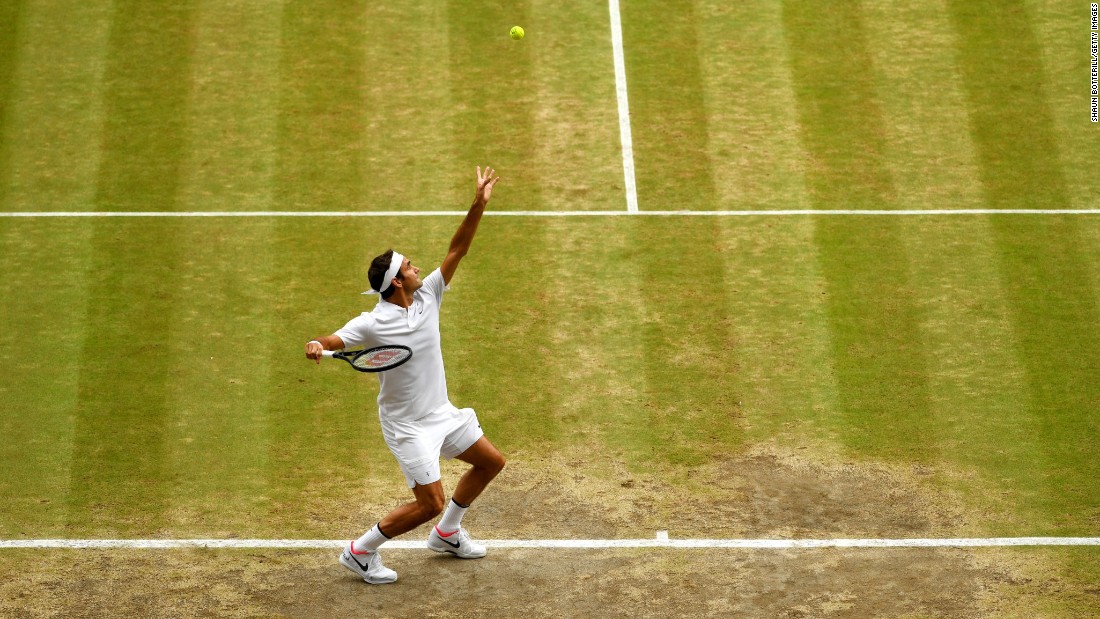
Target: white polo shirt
[{"x": 410, "y": 391}]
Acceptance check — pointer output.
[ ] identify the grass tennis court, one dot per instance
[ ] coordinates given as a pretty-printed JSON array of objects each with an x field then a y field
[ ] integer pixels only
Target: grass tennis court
[{"x": 715, "y": 377}]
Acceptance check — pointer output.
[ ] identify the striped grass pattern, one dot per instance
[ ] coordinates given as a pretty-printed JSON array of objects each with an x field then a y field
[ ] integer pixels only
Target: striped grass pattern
[{"x": 153, "y": 379}]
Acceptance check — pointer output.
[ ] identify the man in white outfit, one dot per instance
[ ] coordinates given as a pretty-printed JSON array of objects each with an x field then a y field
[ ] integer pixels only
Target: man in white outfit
[{"x": 419, "y": 423}]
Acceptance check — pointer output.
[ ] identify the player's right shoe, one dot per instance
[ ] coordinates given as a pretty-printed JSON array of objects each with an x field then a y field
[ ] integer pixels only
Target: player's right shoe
[
  {"x": 457, "y": 543},
  {"x": 367, "y": 565}
]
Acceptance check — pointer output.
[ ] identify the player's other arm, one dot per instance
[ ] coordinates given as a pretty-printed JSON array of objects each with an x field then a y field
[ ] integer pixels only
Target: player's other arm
[
  {"x": 464, "y": 236},
  {"x": 327, "y": 342}
]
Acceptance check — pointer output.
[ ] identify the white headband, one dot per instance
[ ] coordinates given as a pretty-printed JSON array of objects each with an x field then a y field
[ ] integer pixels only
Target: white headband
[{"x": 395, "y": 266}]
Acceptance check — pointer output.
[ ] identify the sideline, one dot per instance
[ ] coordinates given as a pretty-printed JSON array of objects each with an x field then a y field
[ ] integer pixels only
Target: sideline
[{"x": 624, "y": 107}]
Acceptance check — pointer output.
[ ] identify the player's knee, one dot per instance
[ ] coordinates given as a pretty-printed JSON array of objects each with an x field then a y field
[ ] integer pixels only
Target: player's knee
[{"x": 496, "y": 465}]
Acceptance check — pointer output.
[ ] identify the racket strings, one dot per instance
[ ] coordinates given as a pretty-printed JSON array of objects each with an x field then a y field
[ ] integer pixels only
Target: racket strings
[{"x": 386, "y": 357}]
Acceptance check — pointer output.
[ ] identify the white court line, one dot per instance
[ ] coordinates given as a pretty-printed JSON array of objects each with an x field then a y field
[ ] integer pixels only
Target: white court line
[
  {"x": 793, "y": 213},
  {"x": 624, "y": 107},
  {"x": 661, "y": 541}
]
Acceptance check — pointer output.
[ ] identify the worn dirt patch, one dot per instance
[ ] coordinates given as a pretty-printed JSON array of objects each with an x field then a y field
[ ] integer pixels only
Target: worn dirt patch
[
  {"x": 761, "y": 494},
  {"x": 838, "y": 583},
  {"x": 767, "y": 493},
  {"x": 509, "y": 583}
]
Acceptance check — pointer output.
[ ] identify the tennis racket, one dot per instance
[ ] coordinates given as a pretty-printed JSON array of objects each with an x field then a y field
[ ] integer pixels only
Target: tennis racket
[{"x": 377, "y": 359}]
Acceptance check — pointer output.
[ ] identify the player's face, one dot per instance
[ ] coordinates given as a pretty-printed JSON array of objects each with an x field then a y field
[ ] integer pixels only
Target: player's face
[{"x": 410, "y": 276}]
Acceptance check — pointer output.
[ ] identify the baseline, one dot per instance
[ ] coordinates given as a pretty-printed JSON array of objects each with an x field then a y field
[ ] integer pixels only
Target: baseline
[
  {"x": 661, "y": 541},
  {"x": 791, "y": 213}
]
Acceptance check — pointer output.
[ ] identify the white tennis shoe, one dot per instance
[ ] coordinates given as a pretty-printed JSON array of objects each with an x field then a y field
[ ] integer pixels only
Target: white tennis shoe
[
  {"x": 457, "y": 543},
  {"x": 368, "y": 566}
]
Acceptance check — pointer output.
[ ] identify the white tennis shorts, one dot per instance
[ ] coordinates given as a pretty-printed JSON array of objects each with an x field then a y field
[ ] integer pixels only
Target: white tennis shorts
[{"x": 417, "y": 445}]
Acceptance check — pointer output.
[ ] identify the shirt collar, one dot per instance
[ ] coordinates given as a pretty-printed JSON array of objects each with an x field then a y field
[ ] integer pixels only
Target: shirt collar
[{"x": 385, "y": 307}]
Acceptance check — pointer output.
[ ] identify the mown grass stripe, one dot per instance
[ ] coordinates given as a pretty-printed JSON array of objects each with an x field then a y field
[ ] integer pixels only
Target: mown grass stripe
[
  {"x": 494, "y": 104},
  {"x": 578, "y": 157},
  {"x": 234, "y": 94},
  {"x": 218, "y": 390},
  {"x": 226, "y": 275},
  {"x": 118, "y": 478},
  {"x": 690, "y": 409},
  {"x": 520, "y": 411},
  {"x": 1043, "y": 263},
  {"x": 1062, "y": 30},
  {"x": 779, "y": 331},
  {"x": 322, "y": 112},
  {"x": 594, "y": 356},
  {"x": 10, "y": 20},
  {"x": 147, "y": 82},
  {"x": 786, "y": 378},
  {"x": 667, "y": 107},
  {"x": 752, "y": 115},
  {"x": 53, "y": 138},
  {"x": 42, "y": 299},
  {"x": 686, "y": 412},
  {"x": 874, "y": 318},
  {"x": 409, "y": 130},
  {"x": 1010, "y": 119},
  {"x": 55, "y": 117},
  {"x": 928, "y": 148},
  {"x": 504, "y": 377},
  {"x": 973, "y": 375},
  {"x": 322, "y": 144}
]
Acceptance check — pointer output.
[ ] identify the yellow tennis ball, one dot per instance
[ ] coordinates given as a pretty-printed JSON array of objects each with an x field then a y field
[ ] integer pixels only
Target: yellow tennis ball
[{"x": 516, "y": 33}]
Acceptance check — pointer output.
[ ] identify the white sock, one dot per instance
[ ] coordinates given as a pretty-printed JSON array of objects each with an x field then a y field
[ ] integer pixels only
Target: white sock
[
  {"x": 370, "y": 541},
  {"x": 452, "y": 518}
]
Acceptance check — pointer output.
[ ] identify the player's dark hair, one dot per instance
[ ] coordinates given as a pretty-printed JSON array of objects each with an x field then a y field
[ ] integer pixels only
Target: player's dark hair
[{"x": 377, "y": 272}]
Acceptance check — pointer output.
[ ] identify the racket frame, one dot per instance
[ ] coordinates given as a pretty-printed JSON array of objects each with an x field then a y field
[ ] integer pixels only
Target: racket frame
[{"x": 351, "y": 355}]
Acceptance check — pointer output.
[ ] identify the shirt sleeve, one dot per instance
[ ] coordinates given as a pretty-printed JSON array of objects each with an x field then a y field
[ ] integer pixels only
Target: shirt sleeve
[
  {"x": 435, "y": 286},
  {"x": 356, "y": 332}
]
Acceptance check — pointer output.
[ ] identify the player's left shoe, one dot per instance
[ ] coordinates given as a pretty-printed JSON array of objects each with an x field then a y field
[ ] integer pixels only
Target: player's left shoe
[
  {"x": 457, "y": 543},
  {"x": 370, "y": 568}
]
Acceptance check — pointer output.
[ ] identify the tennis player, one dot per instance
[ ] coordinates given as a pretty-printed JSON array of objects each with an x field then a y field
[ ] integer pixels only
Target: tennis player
[{"x": 419, "y": 423}]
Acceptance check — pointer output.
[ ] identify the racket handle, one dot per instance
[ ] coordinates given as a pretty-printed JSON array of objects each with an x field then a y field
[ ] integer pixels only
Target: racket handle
[{"x": 327, "y": 353}]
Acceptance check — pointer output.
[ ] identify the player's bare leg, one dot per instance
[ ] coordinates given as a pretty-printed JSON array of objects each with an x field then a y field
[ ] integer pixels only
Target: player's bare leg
[
  {"x": 428, "y": 505},
  {"x": 487, "y": 464},
  {"x": 448, "y": 535},
  {"x": 361, "y": 555}
]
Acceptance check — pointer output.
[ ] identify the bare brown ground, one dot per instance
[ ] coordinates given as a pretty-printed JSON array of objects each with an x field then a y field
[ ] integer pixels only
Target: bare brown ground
[
  {"x": 764, "y": 493},
  {"x": 512, "y": 583},
  {"x": 761, "y": 494}
]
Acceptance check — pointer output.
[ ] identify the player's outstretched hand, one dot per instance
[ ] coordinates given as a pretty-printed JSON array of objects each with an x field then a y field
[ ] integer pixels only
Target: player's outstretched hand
[{"x": 485, "y": 183}]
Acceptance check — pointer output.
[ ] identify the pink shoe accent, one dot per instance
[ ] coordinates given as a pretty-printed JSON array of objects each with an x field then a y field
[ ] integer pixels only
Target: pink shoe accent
[
  {"x": 442, "y": 534},
  {"x": 352, "y": 547}
]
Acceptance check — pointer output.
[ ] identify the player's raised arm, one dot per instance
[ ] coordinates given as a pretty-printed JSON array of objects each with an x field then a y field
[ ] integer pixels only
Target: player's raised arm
[{"x": 464, "y": 236}]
